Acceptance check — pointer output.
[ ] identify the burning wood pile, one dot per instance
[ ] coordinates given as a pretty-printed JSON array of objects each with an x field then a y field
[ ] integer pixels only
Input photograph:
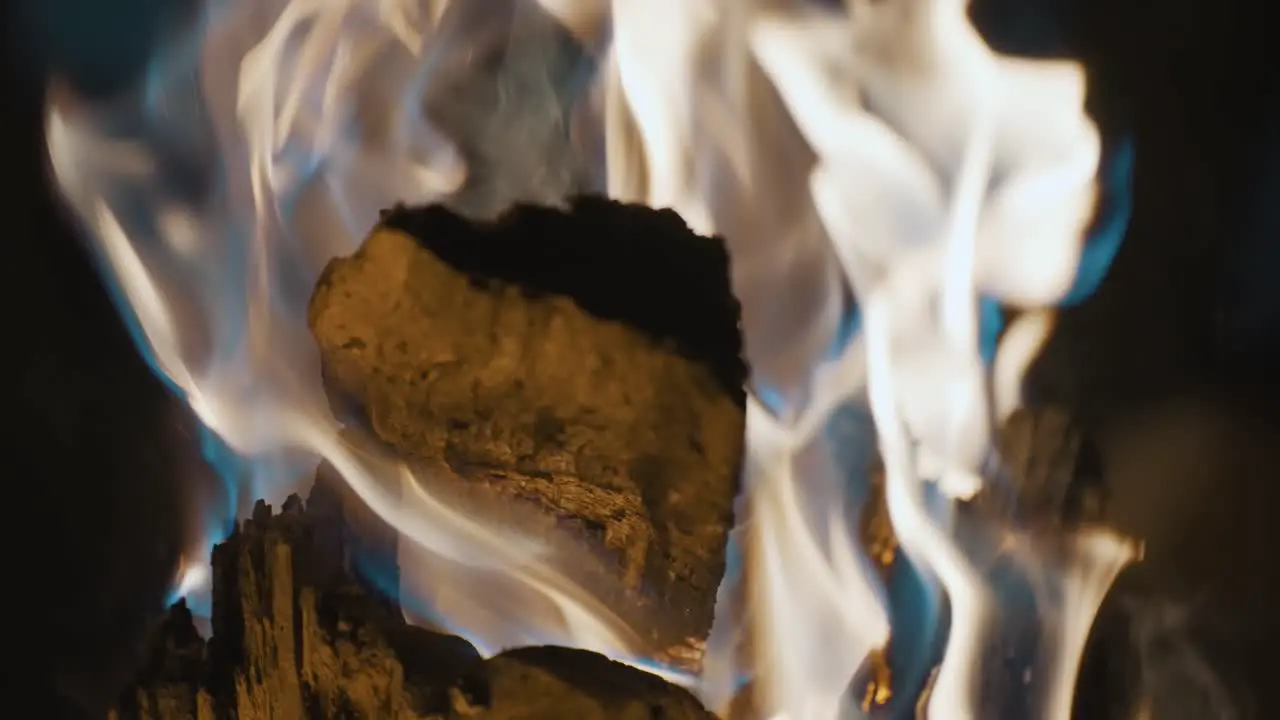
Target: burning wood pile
[
  {"x": 297, "y": 635},
  {"x": 533, "y": 373},
  {"x": 548, "y": 414}
]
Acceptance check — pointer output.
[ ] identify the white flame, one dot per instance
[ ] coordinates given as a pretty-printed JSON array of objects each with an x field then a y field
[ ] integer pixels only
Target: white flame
[
  {"x": 317, "y": 120},
  {"x": 942, "y": 170},
  {"x": 880, "y": 151}
]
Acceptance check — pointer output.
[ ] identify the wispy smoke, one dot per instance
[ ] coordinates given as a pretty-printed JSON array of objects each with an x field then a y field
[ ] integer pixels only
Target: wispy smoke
[
  {"x": 1180, "y": 676},
  {"x": 509, "y": 111}
]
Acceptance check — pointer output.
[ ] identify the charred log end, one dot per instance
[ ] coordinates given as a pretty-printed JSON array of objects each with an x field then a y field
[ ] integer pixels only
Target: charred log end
[{"x": 586, "y": 364}]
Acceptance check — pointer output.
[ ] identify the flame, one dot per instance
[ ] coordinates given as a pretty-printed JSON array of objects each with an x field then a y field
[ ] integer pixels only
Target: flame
[
  {"x": 214, "y": 195},
  {"x": 941, "y": 173},
  {"x": 881, "y": 175}
]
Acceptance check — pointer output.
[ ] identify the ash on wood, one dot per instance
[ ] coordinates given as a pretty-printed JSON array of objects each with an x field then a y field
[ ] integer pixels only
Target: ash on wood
[
  {"x": 296, "y": 635},
  {"x": 584, "y": 365}
]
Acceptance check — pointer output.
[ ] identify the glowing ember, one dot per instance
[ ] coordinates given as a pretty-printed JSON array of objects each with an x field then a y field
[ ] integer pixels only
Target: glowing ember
[{"x": 879, "y": 174}]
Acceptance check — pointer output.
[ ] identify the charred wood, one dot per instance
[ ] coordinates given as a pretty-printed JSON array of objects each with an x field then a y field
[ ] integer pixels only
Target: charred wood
[{"x": 297, "y": 635}]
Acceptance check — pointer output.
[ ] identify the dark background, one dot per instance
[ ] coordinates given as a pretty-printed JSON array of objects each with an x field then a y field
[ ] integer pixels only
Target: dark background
[{"x": 1169, "y": 366}]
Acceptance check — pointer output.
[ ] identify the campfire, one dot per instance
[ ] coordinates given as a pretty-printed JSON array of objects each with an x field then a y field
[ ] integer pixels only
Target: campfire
[{"x": 659, "y": 359}]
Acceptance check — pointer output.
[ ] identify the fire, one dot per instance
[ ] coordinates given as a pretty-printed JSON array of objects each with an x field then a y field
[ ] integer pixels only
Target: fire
[{"x": 879, "y": 173}]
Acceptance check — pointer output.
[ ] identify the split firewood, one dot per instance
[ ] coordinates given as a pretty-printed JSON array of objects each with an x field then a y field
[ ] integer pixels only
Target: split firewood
[{"x": 583, "y": 366}]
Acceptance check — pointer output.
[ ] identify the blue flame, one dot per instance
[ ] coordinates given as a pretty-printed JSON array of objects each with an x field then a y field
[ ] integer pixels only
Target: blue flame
[
  {"x": 217, "y": 514},
  {"x": 382, "y": 574},
  {"x": 917, "y": 608},
  {"x": 171, "y": 118},
  {"x": 1115, "y": 207}
]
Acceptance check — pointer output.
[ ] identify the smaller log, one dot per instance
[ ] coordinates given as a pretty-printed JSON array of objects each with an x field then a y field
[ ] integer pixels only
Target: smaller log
[{"x": 297, "y": 635}]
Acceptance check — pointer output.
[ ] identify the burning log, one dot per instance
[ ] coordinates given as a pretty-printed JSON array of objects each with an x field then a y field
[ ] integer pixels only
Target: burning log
[
  {"x": 296, "y": 635},
  {"x": 582, "y": 368},
  {"x": 585, "y": 367},
  {"x": 1050, "y": 477}
]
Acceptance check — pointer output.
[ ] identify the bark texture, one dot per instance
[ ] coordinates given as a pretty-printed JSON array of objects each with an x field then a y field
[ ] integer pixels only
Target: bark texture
[
  {"x": 296, "y": 635},
  {"x": 584, "y": 366}
]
